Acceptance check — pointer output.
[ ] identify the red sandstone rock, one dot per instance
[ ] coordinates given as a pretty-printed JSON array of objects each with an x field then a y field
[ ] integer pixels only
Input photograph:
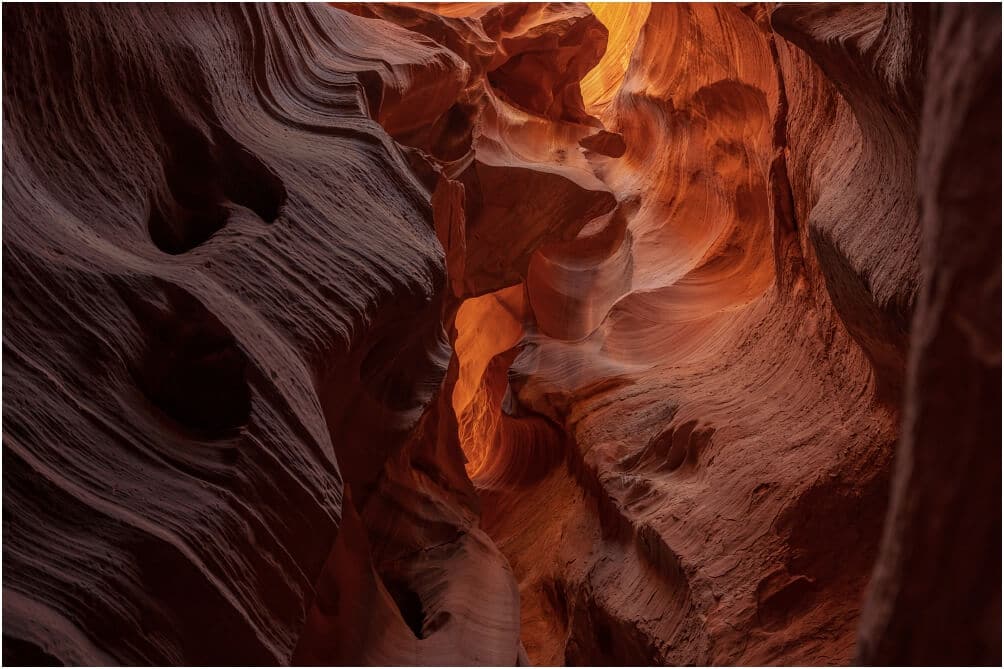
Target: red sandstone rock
[
  {"x": 501, "y": 333},
  {"x": 935, "y": 593}
]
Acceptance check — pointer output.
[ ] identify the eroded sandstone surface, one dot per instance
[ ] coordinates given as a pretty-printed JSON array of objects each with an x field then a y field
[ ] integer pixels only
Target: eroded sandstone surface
[{"x": 498, "y": 334}]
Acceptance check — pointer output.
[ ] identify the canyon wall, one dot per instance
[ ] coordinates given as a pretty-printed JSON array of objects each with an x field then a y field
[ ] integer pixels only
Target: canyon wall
[{"x": 501, "y": 334}]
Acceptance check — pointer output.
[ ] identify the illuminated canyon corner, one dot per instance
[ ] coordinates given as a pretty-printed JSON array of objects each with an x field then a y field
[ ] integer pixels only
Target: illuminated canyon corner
[{"x": 498, "y": 334}]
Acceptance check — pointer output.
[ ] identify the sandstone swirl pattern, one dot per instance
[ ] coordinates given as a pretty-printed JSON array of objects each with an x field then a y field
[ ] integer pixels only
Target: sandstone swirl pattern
[{"x": 497, "y": 334}]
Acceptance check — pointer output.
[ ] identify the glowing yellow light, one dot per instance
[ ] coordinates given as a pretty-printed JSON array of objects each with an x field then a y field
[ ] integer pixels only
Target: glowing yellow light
[{"x": 624, "y": 21}]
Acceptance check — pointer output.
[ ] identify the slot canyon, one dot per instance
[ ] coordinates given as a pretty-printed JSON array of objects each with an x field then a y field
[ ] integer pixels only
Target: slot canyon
[{"x": 501, "y": 334}]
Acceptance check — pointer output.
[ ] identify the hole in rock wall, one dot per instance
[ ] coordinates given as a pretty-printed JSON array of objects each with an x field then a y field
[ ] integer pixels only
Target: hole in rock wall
[
  {"x": 408, "y": 603},
  {"x": 489, "y": 334},
  {"x": 208, "y": 177},
  {"x": 192, "y": 368}
]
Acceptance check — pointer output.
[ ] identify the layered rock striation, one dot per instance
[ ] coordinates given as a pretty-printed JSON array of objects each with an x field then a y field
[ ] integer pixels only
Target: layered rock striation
[{"x": 501, "y": 334}]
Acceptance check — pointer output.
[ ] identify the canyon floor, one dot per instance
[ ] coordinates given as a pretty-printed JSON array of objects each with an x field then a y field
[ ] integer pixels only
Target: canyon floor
[{"x": 501, "y": 334}]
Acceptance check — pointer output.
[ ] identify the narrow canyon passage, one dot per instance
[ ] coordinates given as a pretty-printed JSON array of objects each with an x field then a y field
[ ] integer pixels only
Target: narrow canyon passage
[
  {"x": 501, "y": 334},
  {"x": 631, "y": 543}
]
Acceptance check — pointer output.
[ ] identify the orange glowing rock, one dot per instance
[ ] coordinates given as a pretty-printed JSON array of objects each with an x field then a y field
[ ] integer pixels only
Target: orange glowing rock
[{"x": 490, "y": 334}]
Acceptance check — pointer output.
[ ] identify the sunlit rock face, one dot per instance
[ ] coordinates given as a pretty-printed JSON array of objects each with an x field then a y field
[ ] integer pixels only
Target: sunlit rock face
[{"x": 466, "y": 334}]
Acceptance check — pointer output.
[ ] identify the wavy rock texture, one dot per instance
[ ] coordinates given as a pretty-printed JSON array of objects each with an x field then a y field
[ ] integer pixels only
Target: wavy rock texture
[
  {"x": 210, "y": 251},
  {"x": 941, "y": 529},
  {"x": 501, "y": 334}
]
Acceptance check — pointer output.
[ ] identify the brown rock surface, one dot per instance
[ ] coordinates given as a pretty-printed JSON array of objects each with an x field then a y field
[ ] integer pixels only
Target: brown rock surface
[
  {"x": 467, "y": 334},
  {"x": 935, "y": 595}
]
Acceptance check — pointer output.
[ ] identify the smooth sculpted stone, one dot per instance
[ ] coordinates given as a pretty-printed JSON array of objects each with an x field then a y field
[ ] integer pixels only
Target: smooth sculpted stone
[{"x": 501, "y": 333}]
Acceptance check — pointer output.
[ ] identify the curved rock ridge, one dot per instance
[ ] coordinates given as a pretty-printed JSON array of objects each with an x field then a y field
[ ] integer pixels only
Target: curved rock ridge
[
  {"x": 210, "y": 247},
  {"x": 704, "y": 381},
  {"x": 501, "y": 334},
  {"x": 737, "y": 504},
  {"x": 946, "y": 591}
]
